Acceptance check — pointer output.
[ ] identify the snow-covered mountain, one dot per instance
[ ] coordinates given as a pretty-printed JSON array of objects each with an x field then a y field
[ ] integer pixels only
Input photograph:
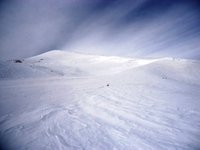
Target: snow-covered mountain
[
  {"x": 59, "y": 63},
  {"x": 64, "y": 100}
]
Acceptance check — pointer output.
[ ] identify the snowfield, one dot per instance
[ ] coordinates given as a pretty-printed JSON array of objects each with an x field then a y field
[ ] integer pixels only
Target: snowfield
[{"x": 61, "y": 101}]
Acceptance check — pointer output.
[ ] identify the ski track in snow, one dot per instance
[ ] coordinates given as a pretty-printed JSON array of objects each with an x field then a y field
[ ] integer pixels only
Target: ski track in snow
[{"x": 138, "y": 110}]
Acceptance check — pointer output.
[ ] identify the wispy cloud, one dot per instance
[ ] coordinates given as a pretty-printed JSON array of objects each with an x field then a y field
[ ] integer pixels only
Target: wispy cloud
[{"x": 141, "y": 28}]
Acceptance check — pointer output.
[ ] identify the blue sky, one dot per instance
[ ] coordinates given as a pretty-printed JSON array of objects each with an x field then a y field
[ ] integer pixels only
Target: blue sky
[{"x": 134, "y": 28}]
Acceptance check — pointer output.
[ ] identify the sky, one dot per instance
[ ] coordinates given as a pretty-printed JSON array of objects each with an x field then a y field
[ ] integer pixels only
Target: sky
[{"x": 131, "y": 28}]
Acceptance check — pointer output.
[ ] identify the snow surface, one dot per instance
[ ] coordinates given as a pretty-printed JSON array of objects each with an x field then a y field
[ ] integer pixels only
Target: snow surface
[{"x": 60, "y": 100}]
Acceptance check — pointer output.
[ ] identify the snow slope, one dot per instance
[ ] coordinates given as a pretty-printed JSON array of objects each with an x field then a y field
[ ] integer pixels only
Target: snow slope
[{"x": 59, "y": 100}]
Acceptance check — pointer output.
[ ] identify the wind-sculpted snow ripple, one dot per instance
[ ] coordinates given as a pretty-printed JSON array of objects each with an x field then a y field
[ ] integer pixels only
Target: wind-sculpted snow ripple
[{"x": 152, "y": 105}]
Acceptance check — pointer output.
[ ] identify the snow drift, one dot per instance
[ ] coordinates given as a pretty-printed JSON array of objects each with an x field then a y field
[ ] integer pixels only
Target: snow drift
[{"x": 59, "y": 100}]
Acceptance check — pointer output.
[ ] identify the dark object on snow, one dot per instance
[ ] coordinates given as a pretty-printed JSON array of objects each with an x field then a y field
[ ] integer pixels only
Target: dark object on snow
[
  {"x": 40, "y": 60},
  {"x": 17, "y": 61},
  {"x": 107, "y": 84},
  {"x": 164, "y": 77}
]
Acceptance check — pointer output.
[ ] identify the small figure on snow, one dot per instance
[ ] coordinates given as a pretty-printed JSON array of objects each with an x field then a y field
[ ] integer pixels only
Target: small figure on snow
[{"x": 107, "y": 84}]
